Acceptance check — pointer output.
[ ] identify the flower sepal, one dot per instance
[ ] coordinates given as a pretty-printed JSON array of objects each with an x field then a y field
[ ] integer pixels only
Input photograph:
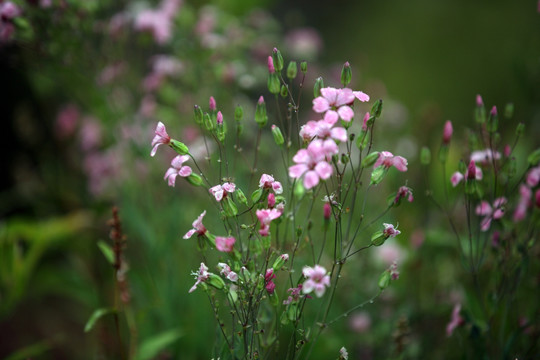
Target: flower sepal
[
  {"x": 378, "y": 174},
  {"x": 378, "y": 238},
  {"x": 179, "y": 147},
  {"x": 216, "y": 281}
]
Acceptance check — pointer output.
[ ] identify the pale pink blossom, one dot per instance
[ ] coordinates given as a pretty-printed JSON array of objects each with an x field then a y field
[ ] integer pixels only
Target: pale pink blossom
[
  {"x": 271, "y": 200},
  {"x": 485, "y": 209},
  {"x": 363, "y": 97},
  {"x": 525, "y": 195},
  {"x": 456, "y": 178},
  {"x": 225, "y": 244},
  {"x": 268, "y": 182},
  {"x": 90, "y": 134},
  {"x": 533, "y": 177},
  {"x": 387, "y": 159},
  {"x": 198, "y": 227},
  {"x": 323, "y": 129},
  {"x": 221, "y": 191},
  {"x": 311, "y": 162},
  {"x": 161, "y": 138},
  {"x": 485, "y": 156},
  {"x": 265, "y": 217},
  {"x": 177, "y": 168},
  {"x": 455, "y": 321},
  {"x": 303, "y": 43},
  {"x": 66, "y": 121},
  {"x": 390, "y": 231},
  {"x": 9, "y": 10},
  {"x": 202, "y": 275},
  {"x": 360, "y": 322},
  {"x": 157, "y": 23},
  {"x": 227, "y": 272},
  {"x": 343, "y": 354},
  {"x": 479, "y": 101},
  {"x": 317, "y": 280},
  {"x": 335, "y": 104}
]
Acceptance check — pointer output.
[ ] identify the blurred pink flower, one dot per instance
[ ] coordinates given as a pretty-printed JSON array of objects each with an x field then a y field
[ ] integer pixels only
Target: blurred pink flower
[
  {"x": 201, "y": 276},
  {"x": 212, "y": 104},
  {"x": 266, "y": 216},
  {"x": 447, "y": 132},
  {"x": 456, "y": 178},
  {"x": 221, "y": 191},
  {"x": 361, "y": 96},
  {"x": 533, "y": 177},
  {"x": 66, "y": 121},
  {"x": 455, "y": 321},
  {"x": 485, "y": 157},
  {"x": 161, "y": 138},
  {"x": 225, "y": 244},
  {"x": 490, "y": 213},
  {"x": 390, "y": 231},
  {"x": 303, "y": 43},
  {"x": 269, "y": 284},
  {"x": 90, "y": 133},
  {"x": 323, "y": 129},
  {"x": 8, "y": 10},
  {"x": 227, "y": 272},
  {"x": 268, "y": 182},
  {"x": 198, "y": 227},
  {"x": 177, "y": 168},
  {"x": 525, "y": 195},
  {"x": 311, "y": 162},
  {"x": 360, "y": 322},
  {"x": 317, "y": 280},
  {"x": 404, "y": 192},
  {"x": 387, "y": 159}
]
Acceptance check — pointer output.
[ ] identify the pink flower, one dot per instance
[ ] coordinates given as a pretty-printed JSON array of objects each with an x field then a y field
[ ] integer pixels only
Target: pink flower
[
  {"x": 271, "y": 200},
  {"x": 390, "y": 231},
  {"x": 360, "y": 322},
  {"x": 221, "y": 191},
  {"x": 265, "y": 217},
  {"x": 472, "y": 172},
  {"x": 484, "y": 156},
  {"x": 456, "y": 178},
  {"x": 201, "y": 276},
  {"x": 317, "y": 280},
  {"x": 364, "y": 123},
  {"x": 269, "y": 284},
  {"x": 455, "y": 321},
  {"x": 212, "y": 104},
  {"x": 157, "y": 23},
  {"x": 323, "y": 129},
  {"x": 533, "y": 177},
  {"x": 66, "y": 121},
  {"x": 403, "y": 192},
  {"x": 447, "y": 132},
  {"x": 295, "y": 295},
  {"x": 271, "y": 68},
  {"x": 177, "y": 169},
  {"x": 225, "y": 244},
  {"x": 9, "y": 10},
  {"x": 268, "y": 182},
  {"x": 387, "y": 159},
  {"x": 523, "y": 204},
  {"x": 363, "y": 97},
  {"x": 489, "y": 213},
  {"x": 311, "y": 162},
  {"x": 479, "y": 101},
  {"x": 198, "y": 227},
  {"x": 394, "y": 273},
  {"x": 227, "y": 272},
  {"x": 161, "y": 138},
  {"x": 335, "y": 104}
]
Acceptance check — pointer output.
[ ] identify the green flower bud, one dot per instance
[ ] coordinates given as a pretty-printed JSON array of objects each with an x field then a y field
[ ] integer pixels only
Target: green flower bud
[
  {"x": 480, "y": 111},
  {"x": 378, "y": 238},
  {"x": 284, "y": 92},
  {"x": 208, "y": 123},
  {"x": 509, "y": 110},
  {"x": 241, "y": 196},
  {"x": 278, "y": 59},
  {"x": 362, "y": 140},
  {"x": 344, "y": 158},
  {"x": 299, "y": 189},
  {"x": 216, "y": 281},
  {"x": 319, "y": 84},
  {"x": 179, "y": 147},
  {"x": 238, "y": 114},
  {"x": 346, "y": 74},
  {"x": 198, "y": 114},
  {"x": 280, "y": 261},
  {"x": 520, "y": 128},
  {"x": 229, "y": 207},
  {"x": 376, "y": 109},
  {"x": 378, "y": 175},
  {"x": 260, "y": 113},
  {"x": 292, "y": 70},
  {"x": 273, "y": 83},
  {"x": 298, "y": 231},
  {"x": 370, "y": 159},
  {"x": 384, "y": 280},
  {"x": 303, "y": 67},
  {"x": 256, "y": 195},
  {"x": 425, "y": 156},
  {"x": 443, "y": 153},
  {"x": 194, "y": 179},
  {"x": 278, "y": 136}
]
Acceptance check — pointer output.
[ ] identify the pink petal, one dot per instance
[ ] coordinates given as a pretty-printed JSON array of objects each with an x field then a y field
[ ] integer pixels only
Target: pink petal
[
  {"x": 229, "y": 187},
  {"x": 456, "y": 178},
  {"x": 319, "y": 290},
  {"x": 311, "y": 179},
  {"x": 169, "y": 172},
  {"x": 324, "y": 170},
  {"x": 331, "y": 94},
  {"x": 308, "y": 286},
  {"x": 339, "y": 133},
  {"x": 172, "y": 179},
  {"x": 320, "y": 104},
  {"x": 486, "y": 223},
  {"x": 346, "y": 113},
  {"x": 179, "y": 160},
  {"x": 331, "y": 117},
  {"x": 298, "y": 170},
  {"x": 330, "y": 147},
  {"x": 276, "y": 185},
  {"x": 189, "y": 234},
  {"x": 345, "y": 96},
  {"x": 361, "y": 96},
  {"x": 483, "y": 208},
  {"x": 301, "y": 157},
  {"x": 154, "y": 149},
  {"x": 400, "y": 163},
  {"x": 185, "y": 171}
]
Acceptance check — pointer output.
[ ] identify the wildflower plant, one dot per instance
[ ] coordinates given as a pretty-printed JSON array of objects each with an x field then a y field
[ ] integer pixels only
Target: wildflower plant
[
  {"x": 493, "y": 212},
  {"x": 268, "y": 259}
]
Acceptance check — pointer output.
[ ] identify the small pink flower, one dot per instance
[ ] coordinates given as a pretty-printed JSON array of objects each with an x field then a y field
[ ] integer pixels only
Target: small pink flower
[
  {"x": 198, "y": 227},
  {"x": 271, "y": 200},
  {"x": 363, "y": 97},
  {"x": 525, "y": 195},
  {"x": 387, "y": 159},
  {"x": 177, "y": 169},
  {"x": 485, "y": 157},
  {"x": 479, "y": 101},
  {"x": 161, "y": 138},
  {"x": 533, "y": 177},
  {"x": 394, "y": 273},
  {"x": 360, "y": 322},
  {"x": 201, "y": 276},
  {"x": 456, "y": 178},
  {"x": 496, "y": 212},
  {"x": 271, "y": 68},
  {"x": 311, "y": 162},
  {"x": 403, "y": 192},
  {"x": 447, "y": 132},
  {"x": 335, "y": 104},
  {"x": 9, "y": 10},
  {"x": 221, "y": 191},
  {"x": 295, "y": 295},
  {"x": 268, "y": 182},
  {"x": 323, "y": 129},
  {"x": 390, "y": 231},
  {"x": 225, "y": 244},
  {"x": 212, "y": 104},
  {"x": 317, "y": 280},
  {"x": 265, "y": 217},
  {"x": 227, "y": 272},
  {"x": 455, "y": 321},
  {"x": 269, "y": 284}
]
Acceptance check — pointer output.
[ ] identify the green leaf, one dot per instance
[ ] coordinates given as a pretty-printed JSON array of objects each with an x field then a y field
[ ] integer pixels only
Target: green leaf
[
  {"x": 151, "y": 347},
  {"x": 107, "y": 251},
  {"x": 96, "y": 315}
]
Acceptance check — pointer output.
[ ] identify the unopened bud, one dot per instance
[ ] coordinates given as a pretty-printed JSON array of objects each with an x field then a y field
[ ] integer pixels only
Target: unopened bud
[
  {"x": 471, "y": 171},
  {"x": 370, "y": 159},
  {"x": 319, "y": 84},
  {"x": 425, "y": 156},
  {"x": 212, "y": 104},
  {"x": 346, "y": 74},
  {"x": 365, "y": 122},
  {"x": 520, "y": 128},
  {"x": 284, "y": 92},
  {"x": 447, "y": 132},
  {"x": 509, "y": 110},
  {"x": 273, "y": 83},
  {"x": 241, "y": 196},
  {"x": 480, "y": 111},
  {"x": 260, "y": 113},
  {"x": 278, "y": 59},
  {"x": 376, "y": 109},
  {"x": 344, "y": 158},
  {"x": 378, "y": 175},
  {"x": 216, "y": 281},
  {"x": 303, "y": 67},
  {"x": 179, "y": 147},
  {"x": 198, "y": 114},
  {"x": 208, "y": 123},
  {"x": 194, "y": 179},
  {"x": 292, "y": 70},
  {"x": 384, "y": 280},
  {"x": 271, "y": 68},
  {"x": 280, "y": 261},
  {"x": 278, "y": 136},
  {"x": 327, "y": 211},
  {"x": 238, "y": 113},
  {"x": 378, "y": 238},
  {"x": 219, "y": 118},
  {"x": 493, "y": 121}
]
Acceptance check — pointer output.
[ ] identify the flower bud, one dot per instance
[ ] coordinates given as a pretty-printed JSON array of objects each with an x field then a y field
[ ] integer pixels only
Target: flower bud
[
  {"x": 292, "y": 70},
  {"x": 376, "y": 109},
  {"x": 241, "y": 196},
  {"x": 303, "y": 67},
  {"x": 425, "y": 156},
  {"x": 194, "y": 179},
  {"x": 378, "y": 238},
  {"x": 370, "y": 159},
  {"x": 384, "y": 280},
  {"x": 212, "y": 104},
  {"x": 229, "y": 207},
  {"x": 480, "y": 111},
  {"x": 280, "y": 261},
  {"x": 271, "y": 68},
  {"x": 344, "y": 158},
  {"x": 509, "y": 110},
  {"x": 346, "y": 74},
  {"x": 238, "y": 113},
  {"x": 216, "y": 281},
  {"x": 327, "y": 211},
  {"x": 198, "y": 114},
  {"x": 179, "y": 147},
  {"x": 278, "y": 59},
  {"x": 319, "y": 84},
  {"x": 366, "y": 121},
  {"x": 219, "y": 118},
  {"x": 493, "y": 120},
  {"x": 378, "y": 175},
  {"x": 284, "y": 91},
  {"x": 520, "y": 128},
  {"x": 534, "y": 157},
  {"x": 273, "y": 83},
  {"x": 208, "y": 123},
  {"x": 278, "y": 136},
  {"x": 447, "y": 132},
  {"x": 471, "y": 171},
  {"x": 443, "y": 153},
  {"x": 260, "y": 113}
]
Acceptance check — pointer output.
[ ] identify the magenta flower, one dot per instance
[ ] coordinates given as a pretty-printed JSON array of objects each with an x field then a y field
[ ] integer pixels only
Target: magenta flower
[
  {"x": 472, "y": 172},
  {"x": 268, "y": 182},
  {"x": 311, "y": 162},
  {"x": 404, "y": 192},
  {"x": 455, "y": 321},
  {"x": 387, "y": 159},
  {"x": 265, "y": 217},
  {"x": 271, "y": 68},
  {"x": 177, "y": 169},
  {"x": 198, "y": 227},
  {"x": 225, "y": 244},
  {"x": 390, "y": 231},
  {"x": 271, "y": 200},
  {"x": 335, "y": 104},
  {"x": 457, "y": 177},
  {"x": 489, "y": 213},
  {"x": 295, "y": 295},
  {"x": 323, "y": 129},
  {"x": 227, "y": 272},
  {"x": 201, "y": 276},
  {"x": 269, "y": 284},
  {"x": 9, "y": 10},
  {"x": 447, "y": 132},
  {"x": 317, "y": 280},
  {"x": 161, "y": 138},
  {"x": 221, "y": 191},
  {"x": 212, "y": 104},
  {"x": 327, "y": 210}
]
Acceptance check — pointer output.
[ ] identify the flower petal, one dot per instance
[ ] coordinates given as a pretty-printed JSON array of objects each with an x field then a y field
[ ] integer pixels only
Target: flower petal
[{"x": 311, "y": 179}]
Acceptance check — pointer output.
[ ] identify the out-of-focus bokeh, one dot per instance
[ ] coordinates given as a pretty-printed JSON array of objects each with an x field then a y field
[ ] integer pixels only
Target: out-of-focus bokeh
[{"x": 83, "y": 84}]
